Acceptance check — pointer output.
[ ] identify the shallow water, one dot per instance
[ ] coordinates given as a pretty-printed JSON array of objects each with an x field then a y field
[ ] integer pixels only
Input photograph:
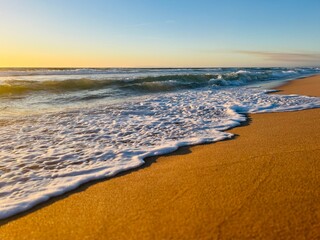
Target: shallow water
[{"x": 62, "y": 144}]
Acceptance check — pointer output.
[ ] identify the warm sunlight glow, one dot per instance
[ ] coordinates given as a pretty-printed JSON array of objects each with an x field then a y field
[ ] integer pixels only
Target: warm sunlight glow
[{"x": 149, "y": 34}]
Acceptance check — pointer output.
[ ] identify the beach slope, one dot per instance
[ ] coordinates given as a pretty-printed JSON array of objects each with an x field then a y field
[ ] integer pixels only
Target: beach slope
[{"x": 263, "y": 184}]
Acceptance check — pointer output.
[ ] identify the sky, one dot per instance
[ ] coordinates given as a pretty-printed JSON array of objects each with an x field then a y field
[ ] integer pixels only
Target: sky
[{"x": 159, "y": 33}]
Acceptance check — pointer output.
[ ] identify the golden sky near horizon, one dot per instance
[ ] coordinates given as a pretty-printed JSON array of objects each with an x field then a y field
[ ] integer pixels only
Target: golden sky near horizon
[{"x": 97, "y": 33}]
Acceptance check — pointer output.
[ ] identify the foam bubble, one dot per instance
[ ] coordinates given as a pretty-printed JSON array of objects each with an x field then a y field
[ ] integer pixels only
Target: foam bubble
[{"x": 46, "y": 155}]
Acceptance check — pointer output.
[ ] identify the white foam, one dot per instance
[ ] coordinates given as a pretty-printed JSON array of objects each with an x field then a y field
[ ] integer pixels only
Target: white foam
[{"x": 45, "y": 156}]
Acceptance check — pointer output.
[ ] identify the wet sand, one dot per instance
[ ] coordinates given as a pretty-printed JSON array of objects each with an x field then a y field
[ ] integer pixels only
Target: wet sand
[{"x": 263, "y": 184}]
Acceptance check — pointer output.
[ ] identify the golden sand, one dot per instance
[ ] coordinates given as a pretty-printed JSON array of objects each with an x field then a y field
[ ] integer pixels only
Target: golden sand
[{"x": 264, "y": 184}]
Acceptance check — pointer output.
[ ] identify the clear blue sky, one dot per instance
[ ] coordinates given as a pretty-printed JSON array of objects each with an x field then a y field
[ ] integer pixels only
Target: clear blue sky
[{"x": 141, "y": 33}]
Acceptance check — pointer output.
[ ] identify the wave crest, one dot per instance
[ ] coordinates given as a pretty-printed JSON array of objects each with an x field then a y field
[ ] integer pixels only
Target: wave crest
[{"x": 141, "y": 82}]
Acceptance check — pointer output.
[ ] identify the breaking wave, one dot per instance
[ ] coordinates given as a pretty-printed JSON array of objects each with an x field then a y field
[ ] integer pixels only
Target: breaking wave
[
  {"x": 49, "y": 152},
  {"x": 138, "y": 81}
]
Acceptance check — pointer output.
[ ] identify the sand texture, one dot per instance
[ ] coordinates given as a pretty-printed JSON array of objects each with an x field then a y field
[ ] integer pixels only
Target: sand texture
[{"x": 263, "y": 184}]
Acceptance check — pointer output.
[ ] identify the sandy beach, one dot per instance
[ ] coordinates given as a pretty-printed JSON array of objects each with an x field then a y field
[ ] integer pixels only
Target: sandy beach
[{"x": 262, "y": 184}]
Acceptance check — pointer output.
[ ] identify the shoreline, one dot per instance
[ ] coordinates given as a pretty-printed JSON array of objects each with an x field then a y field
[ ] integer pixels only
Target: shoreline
[
  {"x": 302, "y": 85},
  {"x": 128, "y": 205}
]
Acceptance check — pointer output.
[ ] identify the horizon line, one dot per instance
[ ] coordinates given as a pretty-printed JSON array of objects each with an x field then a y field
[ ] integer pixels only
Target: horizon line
[{"x": 176, "y": 67}]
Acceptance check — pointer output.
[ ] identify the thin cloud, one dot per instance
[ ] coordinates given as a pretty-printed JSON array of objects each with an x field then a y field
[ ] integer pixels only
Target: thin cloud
[{"x": 283, "y": 56}]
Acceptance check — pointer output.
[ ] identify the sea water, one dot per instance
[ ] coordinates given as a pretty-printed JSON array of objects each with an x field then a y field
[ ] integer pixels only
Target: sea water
[{"x": 60, "y": 128}]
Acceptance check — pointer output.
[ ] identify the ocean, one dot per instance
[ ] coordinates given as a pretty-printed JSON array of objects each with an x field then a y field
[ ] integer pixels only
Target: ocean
[{"x": 60, "y": 128}]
